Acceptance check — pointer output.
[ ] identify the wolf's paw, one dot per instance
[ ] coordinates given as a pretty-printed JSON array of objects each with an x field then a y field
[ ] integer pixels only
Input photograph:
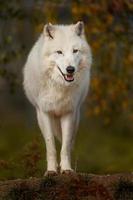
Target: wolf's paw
[
  {"x": 68, "y": 172},
  {"x": 50, "y": 173}
]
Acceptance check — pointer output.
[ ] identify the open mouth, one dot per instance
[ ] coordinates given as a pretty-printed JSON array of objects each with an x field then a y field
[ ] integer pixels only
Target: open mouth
[{"x": 68, "y": 77}]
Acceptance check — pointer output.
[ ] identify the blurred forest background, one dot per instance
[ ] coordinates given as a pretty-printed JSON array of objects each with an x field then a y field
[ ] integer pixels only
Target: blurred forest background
[{"x": 104, "y": 142}]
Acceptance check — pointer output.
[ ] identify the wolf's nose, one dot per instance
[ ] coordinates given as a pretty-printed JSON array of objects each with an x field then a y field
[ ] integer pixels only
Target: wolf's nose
[{"x": 70, "y": 69}]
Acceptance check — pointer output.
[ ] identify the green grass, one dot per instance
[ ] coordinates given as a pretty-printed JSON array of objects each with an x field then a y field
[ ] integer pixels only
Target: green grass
[
  {"x": 97, "y": 150},
  {"x": 100, "y": 150}
]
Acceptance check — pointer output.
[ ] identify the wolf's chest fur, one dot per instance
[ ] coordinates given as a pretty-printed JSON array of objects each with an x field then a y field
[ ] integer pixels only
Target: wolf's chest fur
[{"x": 57, "y": 99}]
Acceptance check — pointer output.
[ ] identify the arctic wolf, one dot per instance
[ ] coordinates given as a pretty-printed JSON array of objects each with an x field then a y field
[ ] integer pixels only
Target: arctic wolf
[{"x": 56, "y": 81}]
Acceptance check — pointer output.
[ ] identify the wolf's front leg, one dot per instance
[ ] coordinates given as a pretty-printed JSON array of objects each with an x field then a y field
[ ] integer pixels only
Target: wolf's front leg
[
  {"x": 46, "y": 126},
  {"x": 67, "y": 126}
]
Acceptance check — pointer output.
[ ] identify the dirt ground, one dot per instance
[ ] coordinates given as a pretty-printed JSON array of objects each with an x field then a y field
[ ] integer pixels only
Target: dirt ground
[{"x": 69, "y": 187}]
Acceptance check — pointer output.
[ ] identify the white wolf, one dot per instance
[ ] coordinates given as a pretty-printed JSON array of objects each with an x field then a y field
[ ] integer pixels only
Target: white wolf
[{"x": 56, "y": 81}]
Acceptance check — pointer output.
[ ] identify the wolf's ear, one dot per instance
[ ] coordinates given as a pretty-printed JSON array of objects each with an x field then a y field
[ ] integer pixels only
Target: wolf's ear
[
  {"x": 79, "y": 27},
  {"x": 49, "y": 30}
]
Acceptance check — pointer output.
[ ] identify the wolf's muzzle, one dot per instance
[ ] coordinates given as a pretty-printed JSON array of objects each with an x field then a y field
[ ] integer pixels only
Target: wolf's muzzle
[
  {"x": 69, "y": 77},
  {"x": 70, "y": 69}
]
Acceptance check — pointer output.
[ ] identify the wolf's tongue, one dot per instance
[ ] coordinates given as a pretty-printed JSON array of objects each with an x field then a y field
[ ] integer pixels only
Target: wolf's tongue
[{"x": 69, "y": 77}]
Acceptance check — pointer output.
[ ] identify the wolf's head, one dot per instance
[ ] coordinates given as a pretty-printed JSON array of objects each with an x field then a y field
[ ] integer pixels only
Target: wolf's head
[{"x": 66, "y": 51}]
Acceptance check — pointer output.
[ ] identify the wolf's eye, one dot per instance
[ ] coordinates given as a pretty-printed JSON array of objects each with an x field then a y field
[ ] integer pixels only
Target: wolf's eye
[
  {"x": 75, "y": 50},
  {"x": 59, "y": 52}
]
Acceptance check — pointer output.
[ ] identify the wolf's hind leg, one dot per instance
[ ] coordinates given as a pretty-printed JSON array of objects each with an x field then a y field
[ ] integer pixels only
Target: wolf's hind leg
[
  {"x": 76, "y": 125},
  {"x": 57, "y": 128},
  {"x": 45, "y": 121}
]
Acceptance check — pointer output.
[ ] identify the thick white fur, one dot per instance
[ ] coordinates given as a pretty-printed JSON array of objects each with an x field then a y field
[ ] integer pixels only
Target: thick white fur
[{"x": 57, "y": 101}]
